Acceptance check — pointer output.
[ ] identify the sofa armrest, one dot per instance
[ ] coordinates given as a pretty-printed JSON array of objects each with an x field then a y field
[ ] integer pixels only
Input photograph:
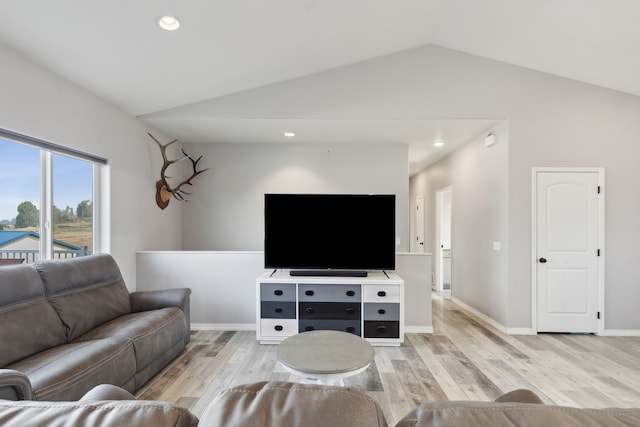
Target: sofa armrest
[
  {"x": 14, "y": 385},
  {"x": 521, "y": 395},
  {"x": 153, "y": 300},
  {"x": 106, "y": 392}
]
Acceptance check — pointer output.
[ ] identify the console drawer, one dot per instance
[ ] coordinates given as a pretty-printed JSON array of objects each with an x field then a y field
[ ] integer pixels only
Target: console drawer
[
  {"x": 278, "y": 327},
  {"x": 381, "y": 293},
  {"x": 379, "y": 329},
  {"x": 382, "y": 311},
  {"x": 329, "y": 293},
  {"x": 277, "y": 292},
  {"x": 278, "y": 309},
  {"x": 329, "y": 310},
  {"x": 351, "y": 326}
]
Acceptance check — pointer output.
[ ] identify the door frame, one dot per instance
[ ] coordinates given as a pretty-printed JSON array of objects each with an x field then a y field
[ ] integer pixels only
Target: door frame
[
  {"x": 534, "y": 237},
  {"x": 419, "y": 224},
  {"x": 438, "y": 240}
]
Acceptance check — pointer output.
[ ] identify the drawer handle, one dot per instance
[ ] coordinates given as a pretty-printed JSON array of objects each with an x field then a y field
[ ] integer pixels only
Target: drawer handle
[
  {"x": 309, "y": 309},
  {"x": 278, "y": 310},
  {"x": 350, "y": 310},
  {"x": 278, "y": 327},
  {"x": 350, "y": 293},
  {"x": 382, "y": 294},
  {"x": 350, "y": 329},
  {"x": 381, "y": 311},
  {"x": 309, "y": 293},
  {"x": 382, "y": 329},
  {"x": 309, "y": 328},
  {"x": 278, "y": 292}
]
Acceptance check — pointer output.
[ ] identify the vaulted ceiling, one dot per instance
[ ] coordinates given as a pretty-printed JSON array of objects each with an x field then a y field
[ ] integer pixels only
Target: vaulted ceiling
[{"x": 115, "y": 50}]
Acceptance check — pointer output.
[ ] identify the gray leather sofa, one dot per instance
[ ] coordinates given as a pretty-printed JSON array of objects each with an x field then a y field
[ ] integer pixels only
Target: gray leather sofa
[
  {"x": 276, "y": 404},
  {"x": 69, "y": 325},
  {"x": 103, "y": 406},
  {"x": 285, "y": 404}
]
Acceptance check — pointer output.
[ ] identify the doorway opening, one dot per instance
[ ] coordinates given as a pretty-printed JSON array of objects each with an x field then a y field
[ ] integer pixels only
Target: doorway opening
[{"x": 443, "y": 251}]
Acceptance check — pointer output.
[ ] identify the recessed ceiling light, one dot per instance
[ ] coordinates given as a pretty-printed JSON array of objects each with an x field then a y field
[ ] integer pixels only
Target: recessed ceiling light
[
  {"x": 438, "y": 144},
  {"x": 289, "y": 134},
  {"x": 168, "y": 23}
]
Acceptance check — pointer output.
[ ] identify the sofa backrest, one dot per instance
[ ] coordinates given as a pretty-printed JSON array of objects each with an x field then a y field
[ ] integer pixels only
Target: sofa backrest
[
  {"x": 85, "y": 291},
  {"x": 28, "y": 324},
  {"x": 461, "y": 413},
  {"x": 278, "y": 403},
  {"x": 104, "y": 413}
]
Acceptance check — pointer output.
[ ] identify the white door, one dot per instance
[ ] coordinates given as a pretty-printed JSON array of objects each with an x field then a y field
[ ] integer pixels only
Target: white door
[
  {"x": 420, "y": 224},
  {"x": 567, "y": 251}
]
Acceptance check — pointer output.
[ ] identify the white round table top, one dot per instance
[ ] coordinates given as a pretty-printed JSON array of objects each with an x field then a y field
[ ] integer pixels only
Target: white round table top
[{"x": 325, "y": 352}]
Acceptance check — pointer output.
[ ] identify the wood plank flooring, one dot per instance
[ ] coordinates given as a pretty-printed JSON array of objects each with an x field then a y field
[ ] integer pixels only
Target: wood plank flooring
[{"x": 464, "y": 359}]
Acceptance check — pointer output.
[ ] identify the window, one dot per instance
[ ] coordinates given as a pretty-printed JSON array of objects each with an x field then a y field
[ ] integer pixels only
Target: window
[{"x": 48, "y": 200}]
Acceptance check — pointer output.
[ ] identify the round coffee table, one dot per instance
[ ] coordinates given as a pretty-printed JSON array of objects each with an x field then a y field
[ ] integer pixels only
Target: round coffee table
[{"x": 325, "y": 356}]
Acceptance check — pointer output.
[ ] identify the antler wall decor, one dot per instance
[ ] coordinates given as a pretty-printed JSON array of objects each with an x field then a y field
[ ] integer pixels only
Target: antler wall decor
[{"x": 163, "y": 190}]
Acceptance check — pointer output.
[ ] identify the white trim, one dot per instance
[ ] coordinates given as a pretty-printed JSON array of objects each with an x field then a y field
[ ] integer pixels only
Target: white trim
[
  {"x": 252, "y": 327},
  {"x": 486, "y": 319},
  {"x": 439, "y": 278},
  {"x": 50, "y": 146},
  {"x": 601, "y": 240},
  {"x": 418, "y": 329},
  {"x": 223, "y": 326},
  {"x": 621, "y": 332},
  {"x": 520, "y": 331},
  {"x": 46, "y": 205}
]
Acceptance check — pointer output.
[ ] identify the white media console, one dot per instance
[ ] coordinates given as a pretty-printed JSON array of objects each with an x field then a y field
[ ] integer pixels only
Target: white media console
[{"x": 371, "y": 307}]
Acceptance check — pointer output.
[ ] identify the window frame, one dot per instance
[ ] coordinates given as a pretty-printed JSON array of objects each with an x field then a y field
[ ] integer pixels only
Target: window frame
[{"x": 47, "y": 150}]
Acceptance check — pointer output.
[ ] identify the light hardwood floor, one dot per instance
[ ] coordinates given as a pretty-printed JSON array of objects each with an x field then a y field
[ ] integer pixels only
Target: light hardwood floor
[{"x": 464, "y": 359}]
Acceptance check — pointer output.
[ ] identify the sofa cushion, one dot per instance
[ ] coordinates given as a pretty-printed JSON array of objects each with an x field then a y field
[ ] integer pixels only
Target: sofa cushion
[
  {"x": 68, "y": 371},
  {"x": 152, "y": 332},
  {"x": 289, "y": 404},
  {"x": 461, "y": 413},
  {"x": 28, "y": 323},
  {"x": 95, "y": 414},
  {"x": 85, "y": 291}
]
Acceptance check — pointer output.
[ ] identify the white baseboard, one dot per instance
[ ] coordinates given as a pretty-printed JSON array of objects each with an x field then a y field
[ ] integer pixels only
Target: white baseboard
[
  {"x": 252, "y": 327},
  {"x": 621, "y": 333},
  {"x": 223, "y": 326},
  {"x": 418, "y": 329},
  {"x": 490, "y": 321}
]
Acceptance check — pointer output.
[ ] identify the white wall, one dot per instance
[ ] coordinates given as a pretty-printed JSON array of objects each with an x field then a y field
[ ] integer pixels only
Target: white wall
[
  {"x": 227, "y": 210},
  {"x": 223, "y": 285},
  {"x": 38, "y": 103}
]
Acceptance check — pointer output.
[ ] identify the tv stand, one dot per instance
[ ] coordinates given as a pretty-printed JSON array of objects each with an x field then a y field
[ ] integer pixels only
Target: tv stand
[
  {"x": 371, "y": 307},
  {"x": 328, "y": 273}
]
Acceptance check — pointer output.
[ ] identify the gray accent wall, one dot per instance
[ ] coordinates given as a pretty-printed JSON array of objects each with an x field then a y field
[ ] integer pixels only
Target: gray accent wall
[
  {"x": 38, "y": 103},
  {"x": 551, "y": 121},
  {"x": 227, "y": 210}
]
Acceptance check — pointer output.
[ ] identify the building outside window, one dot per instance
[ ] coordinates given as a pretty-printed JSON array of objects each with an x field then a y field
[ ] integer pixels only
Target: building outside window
[{"x": 47, "y": 201}]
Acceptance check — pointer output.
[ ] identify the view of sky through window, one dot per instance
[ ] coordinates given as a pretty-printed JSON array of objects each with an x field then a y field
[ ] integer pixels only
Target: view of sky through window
[{"x": 20, "y": 178}]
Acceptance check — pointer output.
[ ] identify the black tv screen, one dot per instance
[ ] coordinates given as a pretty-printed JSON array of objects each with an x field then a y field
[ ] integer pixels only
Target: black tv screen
[{"x": 330, "y": 231}]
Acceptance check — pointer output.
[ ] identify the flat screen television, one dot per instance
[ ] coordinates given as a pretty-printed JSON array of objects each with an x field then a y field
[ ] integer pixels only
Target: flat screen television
[{"x": 330, "y": 234}]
